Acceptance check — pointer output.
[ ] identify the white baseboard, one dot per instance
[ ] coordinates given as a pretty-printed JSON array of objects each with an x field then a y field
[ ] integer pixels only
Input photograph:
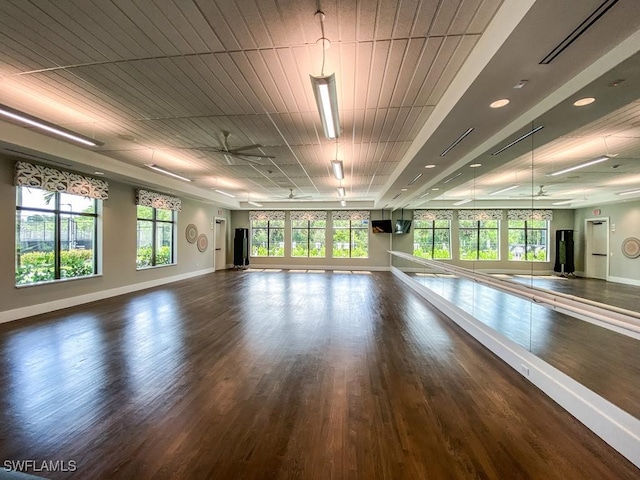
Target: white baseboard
[
  {"x": 23, "y": 312},
  {"x": 626, "y": 281},
  {"x": 612, "y": 424},
  {"x": 319, "y": 267}
]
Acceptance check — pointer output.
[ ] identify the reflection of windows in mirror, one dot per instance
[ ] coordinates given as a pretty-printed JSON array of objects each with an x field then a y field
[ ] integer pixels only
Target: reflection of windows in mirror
[
  {"x": 528, "y": 240},
  {"x": 267, "y": 238},
  {"x": 308, "y": 238},
  {"x": 432, "y": 239},
  {"x": 350, "y": 238},
  {"x": 155, "y": 236},
  {"x": 56, "y": 236},
  {"x": 479, "y": 239}
]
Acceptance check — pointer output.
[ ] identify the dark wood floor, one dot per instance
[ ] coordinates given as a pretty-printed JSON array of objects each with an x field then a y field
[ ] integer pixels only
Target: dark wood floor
[
  {"x": 604, "y": 361},
  {"x": 257, "y": 375}
]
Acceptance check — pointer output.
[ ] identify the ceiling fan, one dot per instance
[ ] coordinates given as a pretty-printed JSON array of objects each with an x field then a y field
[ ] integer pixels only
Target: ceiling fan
[
  {"x": 540, "y": 193},
  {"x": 237, "y": 152},
  {"x": 294, "y": 196}
]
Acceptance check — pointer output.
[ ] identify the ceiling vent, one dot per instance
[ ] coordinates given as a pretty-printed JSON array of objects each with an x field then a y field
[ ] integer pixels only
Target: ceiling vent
[{"x": 583, "y": 27}]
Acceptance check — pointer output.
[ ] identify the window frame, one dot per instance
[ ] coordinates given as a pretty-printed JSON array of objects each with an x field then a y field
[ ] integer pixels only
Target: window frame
[
  {"x": 268, "y": 228},
  {"x": 478, "y": 229},
  {"x": 351, "y": 229},
  {"x": 58, "y": 214},
  {"x": 155, "y": 222},
  {"x": 309, "y": 229},
  {"x": 526, "y": 230},
  {"x": 433, "y": 229}
]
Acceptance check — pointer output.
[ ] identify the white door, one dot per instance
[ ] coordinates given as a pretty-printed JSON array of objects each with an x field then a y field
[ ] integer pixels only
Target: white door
[
  {"x": 219, "y": 246},
  {"x": 597, "y": 249}
]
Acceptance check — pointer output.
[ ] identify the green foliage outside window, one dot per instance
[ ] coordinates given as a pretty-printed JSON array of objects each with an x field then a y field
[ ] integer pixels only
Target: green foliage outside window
[{"x": 40, "y": 266}]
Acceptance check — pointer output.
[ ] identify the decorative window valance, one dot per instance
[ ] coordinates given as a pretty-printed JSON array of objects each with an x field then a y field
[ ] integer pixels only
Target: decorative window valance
[
  {"x": 157, "y": 200},
  {"x": 309, "y": 215},
  {"x": 530, "y": 215},
  {"x": 350, "y": 215},
  {"x": 433, "y": 214},
  {"x": 53, "y": 180},
  {"x": 479, "y": 214},
  {"x": 266, "y": 215}
]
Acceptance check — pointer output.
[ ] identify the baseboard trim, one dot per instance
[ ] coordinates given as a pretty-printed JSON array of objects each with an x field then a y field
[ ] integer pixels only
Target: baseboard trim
[
  {"x": 626, "y": 281},
  {"x": 319, "y": 267},
  {"x": 612, "y": 424},
  {"x": 29, "y": 311}
]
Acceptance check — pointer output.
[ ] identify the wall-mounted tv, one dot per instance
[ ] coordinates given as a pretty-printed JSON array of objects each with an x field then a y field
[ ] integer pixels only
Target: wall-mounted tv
[
  {"x": 381, "y": 226},
  {"x": 403, "y": 226}
]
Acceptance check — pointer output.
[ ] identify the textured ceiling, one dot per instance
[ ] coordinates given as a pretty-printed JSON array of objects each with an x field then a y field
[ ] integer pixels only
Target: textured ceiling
[{"x": 160, "y": 81}]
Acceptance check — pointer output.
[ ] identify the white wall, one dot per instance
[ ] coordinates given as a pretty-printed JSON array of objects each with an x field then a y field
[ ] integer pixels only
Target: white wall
[
  {"x": 119, "y": 272},
  {"x": 626, "y": 218}
]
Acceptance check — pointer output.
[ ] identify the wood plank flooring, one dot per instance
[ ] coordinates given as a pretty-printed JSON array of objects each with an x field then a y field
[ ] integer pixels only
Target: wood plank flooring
[{"x": 261, "y": 375}]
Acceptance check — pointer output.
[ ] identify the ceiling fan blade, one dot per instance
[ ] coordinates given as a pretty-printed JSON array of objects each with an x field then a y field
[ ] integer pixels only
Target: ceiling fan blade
[
  {"x": 241, "y": 157},
  {"x": 235, "y": 151},
  {"x": 245, "y": 147}
]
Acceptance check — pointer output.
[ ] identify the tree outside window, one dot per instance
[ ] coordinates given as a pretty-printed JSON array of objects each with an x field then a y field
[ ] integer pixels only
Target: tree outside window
[
  {"x": 155, "y": 233},
  {"x": 308, "y": 238},
  {"x": 267, "y": 238},
  {"x": 431, "y": 239},
  {"x": 350, "y": 238}
]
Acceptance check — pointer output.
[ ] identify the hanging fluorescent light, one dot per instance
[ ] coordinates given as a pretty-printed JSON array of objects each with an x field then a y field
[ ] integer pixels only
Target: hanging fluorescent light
[
  {"x": 581, "y": 165},
  {"x": 564, "y": 202},
  {"x": 462, "y": 202},
  {"x": 153, "y": 166},
  {"x": 342, "y": 192},
  {"x": 415, "y": 179},
  {"x": 338, "y": 171},
  {"x": 255, "y": 204},
  {"x": 46, "y": 126},
  {"x": 225, "y": 193},
  {"x": 456, "y": 142},
  {"x": 324, "y": 89},
  {"x": 519, "y": 139},
  {"x": 343, "y": 203},
  {"x": 505, "y": 190},
  {"x": 630, "y": 192},
  {"x": 424, "y": 195}
]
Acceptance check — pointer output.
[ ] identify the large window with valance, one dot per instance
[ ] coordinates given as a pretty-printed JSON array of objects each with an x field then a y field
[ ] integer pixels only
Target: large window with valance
[
  {"x": 267, "y": 233},
  {"x": 350, "y": 233},
  {"x": 308, "y": 230},
  {"x": 432, "y": 234},
  {"x": 56, "y": 224},
  {"x": 529, "y": 235},
  {"x": 479, "y": 232},
  {"x": 156, "y": 228}
]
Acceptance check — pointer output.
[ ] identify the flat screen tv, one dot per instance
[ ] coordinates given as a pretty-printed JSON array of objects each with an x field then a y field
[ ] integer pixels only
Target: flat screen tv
[
  {"x": 381, "y": 226},
  {"x": 403, "y": 226}
]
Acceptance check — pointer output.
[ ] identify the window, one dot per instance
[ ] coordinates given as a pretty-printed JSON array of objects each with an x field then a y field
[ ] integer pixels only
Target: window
[
  {"x": 267, "y": 238},
  {"x": 479, "y": 239},
  {"x": 156, "y": 233},
  {"x": 308, "y": 238},
  {"x": 431, "y": 239},
  {"x": 351, "y": 238},
  {"x": 56, "y": 236},
  {"x": 528, "y": 240}
]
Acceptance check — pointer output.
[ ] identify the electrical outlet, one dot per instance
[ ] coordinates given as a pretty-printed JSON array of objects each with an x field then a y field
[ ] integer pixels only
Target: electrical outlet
[{"x": 524, "y": 370}]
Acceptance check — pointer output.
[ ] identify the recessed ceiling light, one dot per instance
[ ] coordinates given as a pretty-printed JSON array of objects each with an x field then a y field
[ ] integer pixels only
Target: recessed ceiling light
[
  {"x": 475, "y": 165},
  {"x": 500, "y": 103},
  {"x": 520, "y": 84},
  {"x": 462, "y": 202},
  {"x": 584, "y": 101},
  {"x": 98, "y": 173},
  {"x": 564, "y": 202},
  {"x": 255, "y": 204},
  {"x": 404, "y": 189},
  {"x": 456, "y": 141},
  {"x": 436, "y": 189},
  {"x": 519, "y": 139},
  {"x": 415, "y": 179},
  {"x": 451, "y": 178},
  {"x": 429, "y": 166}
]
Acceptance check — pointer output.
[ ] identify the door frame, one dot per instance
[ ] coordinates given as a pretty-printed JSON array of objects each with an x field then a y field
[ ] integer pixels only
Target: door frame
[
  {"x": 216, "y": 221},
  {"x": 588, "y": 243}
]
